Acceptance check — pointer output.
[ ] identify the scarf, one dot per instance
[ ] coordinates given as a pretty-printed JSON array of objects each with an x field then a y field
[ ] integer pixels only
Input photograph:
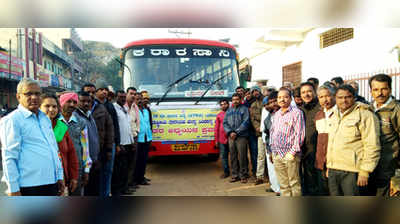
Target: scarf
[{"x": 59, "y": 130}]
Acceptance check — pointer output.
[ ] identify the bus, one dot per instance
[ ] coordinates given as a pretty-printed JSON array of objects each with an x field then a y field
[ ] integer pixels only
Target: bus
[{"x": 185, "y": 78}]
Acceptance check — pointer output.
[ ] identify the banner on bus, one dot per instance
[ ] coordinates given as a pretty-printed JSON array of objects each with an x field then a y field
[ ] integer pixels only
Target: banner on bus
[{"x": 184, "y": 124}]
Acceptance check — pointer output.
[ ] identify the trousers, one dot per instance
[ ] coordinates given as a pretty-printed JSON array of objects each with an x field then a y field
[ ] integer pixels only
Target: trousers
[
  {"x": 238, "y": 153},
  {"x": 342, "y": 183},
  {"x": 288, "y": 175}
]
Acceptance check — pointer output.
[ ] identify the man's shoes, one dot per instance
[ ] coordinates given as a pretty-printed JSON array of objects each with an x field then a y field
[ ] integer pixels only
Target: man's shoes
[
  {"x": 234, "y": 179},
  {"x": 134, "y": 185},
  {"x": 225, "y": 175},
  {"x": 244, "y": 181},
  {"x": 259, "y": 181},
  {"x": 253, "y": 178},
  {"x": 128, "y": 192},
  {"x": 144, "y": 182},
  {"x": 269, "y": 190},
  {"x": 278, "y": 194}
]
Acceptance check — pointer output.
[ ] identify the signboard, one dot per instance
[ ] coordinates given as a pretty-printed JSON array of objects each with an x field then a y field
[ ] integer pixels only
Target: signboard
[
  {"x": 44, "y": 78},
  {"x": 17, "y": 66},
  {"x": 54, "y": 80},
  {"x": 199, "y": 93},
  {"x": 184, "y": 124},
  {"x": 181, "y": 51}
]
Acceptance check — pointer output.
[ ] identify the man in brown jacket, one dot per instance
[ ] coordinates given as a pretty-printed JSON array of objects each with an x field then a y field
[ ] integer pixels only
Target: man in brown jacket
[
  {"x": 326, "y": 97},
  {"x": 255, "y": 118},
  {"x": 310, "y": 107},
  {"x": 388, "y": 112},
  {"x": 353, "y": 147}
]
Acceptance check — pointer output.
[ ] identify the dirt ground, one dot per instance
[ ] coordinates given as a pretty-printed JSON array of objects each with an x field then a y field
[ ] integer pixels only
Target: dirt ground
[
  {"x": 193, "y": 176},
  {"x": 188, "y": 176}
]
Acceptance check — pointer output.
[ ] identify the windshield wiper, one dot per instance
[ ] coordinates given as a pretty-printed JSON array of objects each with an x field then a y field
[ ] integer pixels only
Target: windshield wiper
[
  {"x": 200, "y": 81},
  {"x": 172, "y": 85},
  {"x": 211, "y": 85}
]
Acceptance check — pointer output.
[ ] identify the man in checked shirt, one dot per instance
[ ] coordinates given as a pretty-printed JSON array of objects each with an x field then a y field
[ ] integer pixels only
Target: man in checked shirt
[{"x": 286, "y": 137}]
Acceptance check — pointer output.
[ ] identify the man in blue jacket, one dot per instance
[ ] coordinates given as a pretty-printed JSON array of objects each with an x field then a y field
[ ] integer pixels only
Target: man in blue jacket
[{"x": 236, "y": 124}]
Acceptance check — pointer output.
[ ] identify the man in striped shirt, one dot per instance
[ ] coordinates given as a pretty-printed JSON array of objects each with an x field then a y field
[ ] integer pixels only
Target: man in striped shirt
[{"x": 286, "y": 137}]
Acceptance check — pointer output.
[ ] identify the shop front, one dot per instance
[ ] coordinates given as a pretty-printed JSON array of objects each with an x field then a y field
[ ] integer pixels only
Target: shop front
[{"x": 10, "y": 75}]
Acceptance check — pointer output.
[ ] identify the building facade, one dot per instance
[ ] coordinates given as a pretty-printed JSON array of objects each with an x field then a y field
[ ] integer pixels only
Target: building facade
[
  {"x": 298, "y": 54},
  {"x": 45, "y": 55}
]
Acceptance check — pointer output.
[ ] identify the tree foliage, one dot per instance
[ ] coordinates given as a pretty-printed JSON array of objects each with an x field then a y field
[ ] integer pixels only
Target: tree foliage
[{"x": 99, "y": 63}]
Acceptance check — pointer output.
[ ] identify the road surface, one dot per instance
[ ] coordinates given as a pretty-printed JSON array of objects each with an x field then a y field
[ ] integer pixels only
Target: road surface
[
  {"x": 189, "y": 176},
  {"x": 193, "y": 176}
]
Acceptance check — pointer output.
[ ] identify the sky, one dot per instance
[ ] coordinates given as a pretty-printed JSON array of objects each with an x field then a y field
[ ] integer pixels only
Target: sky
[{"x": 119, "y": 37}]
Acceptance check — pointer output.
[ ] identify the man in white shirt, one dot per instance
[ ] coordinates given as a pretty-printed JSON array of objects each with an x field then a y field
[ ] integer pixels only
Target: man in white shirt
[
  {"x": 132, "y": 97},
  {"x": 120, "y": 174}
]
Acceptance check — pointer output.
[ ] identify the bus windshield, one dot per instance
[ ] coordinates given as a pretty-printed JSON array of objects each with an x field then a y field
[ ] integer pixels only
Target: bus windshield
[{"x": 154, "y": 68}]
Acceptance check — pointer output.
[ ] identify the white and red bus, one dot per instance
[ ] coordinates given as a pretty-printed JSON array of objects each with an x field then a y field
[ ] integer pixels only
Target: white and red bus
[{"x": 185, "y": 79}]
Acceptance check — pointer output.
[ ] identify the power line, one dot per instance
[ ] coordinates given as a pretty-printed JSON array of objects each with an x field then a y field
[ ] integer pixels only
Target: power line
[{"x": 177, "y": 32}]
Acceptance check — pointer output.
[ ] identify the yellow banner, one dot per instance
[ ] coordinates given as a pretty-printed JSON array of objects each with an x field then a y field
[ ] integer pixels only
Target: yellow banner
[{"x": 184, "y": 124}]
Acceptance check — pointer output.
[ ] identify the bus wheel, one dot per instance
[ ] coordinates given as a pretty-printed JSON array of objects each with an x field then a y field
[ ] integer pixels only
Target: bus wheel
[{"x": 213, "y": 156}]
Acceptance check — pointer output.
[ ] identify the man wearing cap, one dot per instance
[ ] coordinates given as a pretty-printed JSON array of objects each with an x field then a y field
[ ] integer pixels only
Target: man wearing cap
[
  {"x": 255, "y": 118},
  {"x": 270, "y": 107},
  {"x": 78, "y": 132}
]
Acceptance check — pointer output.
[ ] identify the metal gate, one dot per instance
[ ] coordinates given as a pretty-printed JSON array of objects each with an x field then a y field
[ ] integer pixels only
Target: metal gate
[{"x": 362, "y": 80}]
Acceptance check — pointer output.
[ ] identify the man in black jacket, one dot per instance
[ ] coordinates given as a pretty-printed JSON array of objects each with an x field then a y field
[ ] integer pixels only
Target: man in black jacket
[
  {"x": 105, "y": 129},
  {"x": 106, "y": 176}
]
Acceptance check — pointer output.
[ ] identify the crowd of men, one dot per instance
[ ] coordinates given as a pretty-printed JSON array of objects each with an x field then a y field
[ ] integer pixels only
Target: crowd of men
[
  {"x": 308, "y": 140},
  {"x": 77, "y": 144},
  {"x": 315, "y": 140}
]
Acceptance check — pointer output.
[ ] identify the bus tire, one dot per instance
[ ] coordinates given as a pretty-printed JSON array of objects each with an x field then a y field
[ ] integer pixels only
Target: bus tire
[{"x": 213, "y": 156}]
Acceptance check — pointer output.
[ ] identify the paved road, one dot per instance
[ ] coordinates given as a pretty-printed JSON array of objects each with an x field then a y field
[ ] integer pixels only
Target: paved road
[
  {"x": 188, "y": 176},
  {"x": 193, "y": 176}
]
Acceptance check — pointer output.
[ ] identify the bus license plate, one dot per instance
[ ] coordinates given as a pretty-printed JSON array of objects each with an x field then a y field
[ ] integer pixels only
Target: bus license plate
[{"x": 185, "y": 147}]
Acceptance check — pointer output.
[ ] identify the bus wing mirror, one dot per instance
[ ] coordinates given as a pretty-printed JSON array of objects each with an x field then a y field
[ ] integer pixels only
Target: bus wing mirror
[{"x": 246, "y": 73}]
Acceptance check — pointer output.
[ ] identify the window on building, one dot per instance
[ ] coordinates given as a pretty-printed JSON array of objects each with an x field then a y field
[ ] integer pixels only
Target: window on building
[
  {"x": 38, "y": 55},
  {"x": 292, "y": 73},
  {"x": 335, "y": 36},
  {"x": 30, "y": 47}
]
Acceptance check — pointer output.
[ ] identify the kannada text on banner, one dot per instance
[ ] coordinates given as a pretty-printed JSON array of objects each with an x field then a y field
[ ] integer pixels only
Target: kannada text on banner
[{"x": 183, "y": 124}]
